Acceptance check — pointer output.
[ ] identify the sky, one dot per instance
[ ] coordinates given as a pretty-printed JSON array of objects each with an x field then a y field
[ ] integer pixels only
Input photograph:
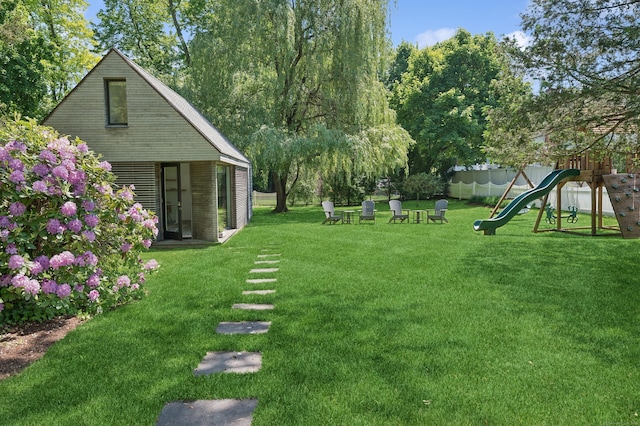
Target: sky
[{"x": 426, "y": 22}]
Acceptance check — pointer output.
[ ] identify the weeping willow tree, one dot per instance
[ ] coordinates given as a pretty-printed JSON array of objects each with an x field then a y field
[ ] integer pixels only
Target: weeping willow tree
[{"x": 296, "y": 85}]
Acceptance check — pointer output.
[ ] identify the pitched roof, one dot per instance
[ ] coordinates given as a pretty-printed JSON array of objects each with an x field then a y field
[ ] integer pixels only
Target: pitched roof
[{"x": 187, "y": 111}]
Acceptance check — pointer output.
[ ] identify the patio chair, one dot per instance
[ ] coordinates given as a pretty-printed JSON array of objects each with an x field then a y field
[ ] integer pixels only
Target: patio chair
[
  {"x": 368, "y": 211},
  {"x": 396, "y": 209},
  {"x": 440, "y": 210},
  {"x": 331, "y": 216}
]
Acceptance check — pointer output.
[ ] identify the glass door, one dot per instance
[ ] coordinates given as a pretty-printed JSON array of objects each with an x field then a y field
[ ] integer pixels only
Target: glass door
[{"x": 171, "y": 202}]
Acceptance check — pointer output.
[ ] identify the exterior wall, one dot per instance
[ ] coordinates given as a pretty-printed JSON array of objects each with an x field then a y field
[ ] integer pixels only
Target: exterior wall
[
  {"x": 205, "y": 205},
  {"x": 145, "y": 178},
  {"x": 156, "y": 132},
  {"x": 241, "y": 185}
]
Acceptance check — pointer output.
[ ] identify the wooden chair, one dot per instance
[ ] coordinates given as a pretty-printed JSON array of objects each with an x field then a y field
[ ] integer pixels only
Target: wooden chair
[
  {"x": 368, "y": 211},
  {"x": 440, "y": 210},
  {"x": 330, "y": 215},
  {"x": 396, "y": 209}
]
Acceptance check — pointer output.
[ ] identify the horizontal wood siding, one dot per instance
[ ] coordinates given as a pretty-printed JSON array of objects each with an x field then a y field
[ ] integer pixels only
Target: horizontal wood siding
[
  {"x": 205, "y": 206},
  {"x": 242, "y": 196},
  {"x": 155, "y": 131},
  {"x": 145, "y": 179}
]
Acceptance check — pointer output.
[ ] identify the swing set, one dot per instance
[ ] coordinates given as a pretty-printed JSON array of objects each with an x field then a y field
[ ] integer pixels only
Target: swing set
[{"x": 623, "y": 190}]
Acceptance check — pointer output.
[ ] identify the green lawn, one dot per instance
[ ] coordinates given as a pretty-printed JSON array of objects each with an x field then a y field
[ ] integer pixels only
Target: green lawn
[{"x": 373, "y": 325}]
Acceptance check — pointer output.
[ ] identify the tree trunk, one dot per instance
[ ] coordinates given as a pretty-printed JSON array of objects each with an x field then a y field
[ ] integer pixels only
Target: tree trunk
[{"x": 281, "y": 193}]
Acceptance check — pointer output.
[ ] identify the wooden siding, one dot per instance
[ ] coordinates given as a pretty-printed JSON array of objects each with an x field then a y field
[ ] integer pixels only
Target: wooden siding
[
  {"x": 145, "y": 179},
  {"x": 205, "y": 205},
  {"x": 156, "y": 132},
  {"x": 241, "y": 196}
]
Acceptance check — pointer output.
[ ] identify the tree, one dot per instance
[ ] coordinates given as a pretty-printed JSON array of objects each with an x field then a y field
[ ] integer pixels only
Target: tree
[
  {"x": 586, "y": 55},
  {"x": 150, "y": 32},
  {"x": 425, "y": 184},
  {"x": 296, "y": 84},
  {"x": 443, "y": 97},
  {"x": 45, "y": 49}
]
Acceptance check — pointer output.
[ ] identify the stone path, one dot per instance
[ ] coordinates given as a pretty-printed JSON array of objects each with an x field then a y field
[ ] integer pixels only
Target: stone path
[{"x": 231, "y": 412}]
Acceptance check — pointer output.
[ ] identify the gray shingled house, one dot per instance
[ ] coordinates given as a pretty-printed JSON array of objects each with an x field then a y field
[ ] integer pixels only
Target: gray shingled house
[{"x": 182, "y": 167}]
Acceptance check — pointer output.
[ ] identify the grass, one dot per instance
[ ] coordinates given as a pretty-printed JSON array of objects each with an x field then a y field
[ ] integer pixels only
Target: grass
[{"x": 373, "y": 325}]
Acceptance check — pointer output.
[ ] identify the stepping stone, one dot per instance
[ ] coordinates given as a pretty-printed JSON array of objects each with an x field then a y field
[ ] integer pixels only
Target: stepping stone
[
  {"x": 262, "y": 280},
  {"x": 252, "y": 306},
  {"x": 266, "y": 262},
  {"x": 262, "y": 292},
  {"x": 229, "y": 362},
  {"x": 237, "y": 412},
  {"x": 244, "y": 327},
  {"x": 263, "y": 270},
  {"x": 269, "y": 255}
]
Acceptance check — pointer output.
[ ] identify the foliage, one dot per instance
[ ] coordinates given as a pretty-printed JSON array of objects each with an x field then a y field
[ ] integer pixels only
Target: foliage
[
  {"x": 296, "y": 85},
  {"x": 426, "y": 184},
  {"x": 443, "y": 96},
  {"x": 69, "y": 242},
  {"x": 586, "y": 56},
  {"x": 150, "y": 32},
  {"x": 45, "y": 49}
]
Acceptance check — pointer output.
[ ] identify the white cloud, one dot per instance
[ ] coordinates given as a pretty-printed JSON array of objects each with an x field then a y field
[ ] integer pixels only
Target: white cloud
[
  {"x": 522, "y": 40},
  {"x": 431, "y": 37}
]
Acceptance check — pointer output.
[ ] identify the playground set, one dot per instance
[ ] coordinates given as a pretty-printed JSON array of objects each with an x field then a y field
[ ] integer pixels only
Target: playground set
[{"x": 622, "y": 188}]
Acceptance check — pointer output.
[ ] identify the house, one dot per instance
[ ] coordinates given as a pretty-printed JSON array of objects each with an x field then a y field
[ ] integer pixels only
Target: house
[{"x": 182, "y": 167}]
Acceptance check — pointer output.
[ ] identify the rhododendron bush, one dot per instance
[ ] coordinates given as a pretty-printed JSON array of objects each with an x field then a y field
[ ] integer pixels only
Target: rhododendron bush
[{"x": 70, "y": 239}]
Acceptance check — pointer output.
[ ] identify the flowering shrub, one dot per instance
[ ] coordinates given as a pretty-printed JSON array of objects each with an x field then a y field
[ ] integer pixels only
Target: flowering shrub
[{"x": 69, "y": 239}]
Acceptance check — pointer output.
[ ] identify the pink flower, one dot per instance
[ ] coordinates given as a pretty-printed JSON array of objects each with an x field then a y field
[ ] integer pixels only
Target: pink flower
[
  {"x": 93, "y": 281},
  {"x": 151, "y": 265},
  {"x": 125, "y": 247},
  {"x": 32, "y": 287},
  {"x": 49, "y": 286},
  {"x": 55, "y": 227},
  {"x": 39, "y": 186},
  {"x": 11, "y": 248},
  {"x": 146, "y": 243},
  {"x": 63, "y": 290},
  {"x": 17, "y": 209},
  {"x": 16, "y": 261},
  {"x": 75, "y": 225},
  {"x": 47, "y": 155},
  {"x": 58, "y": 261},
  {"x": 105, "y": 165},
  {"x": 16, "y": 176},
  {"x": 88, "y": 205},
  {"x": 93, "y": 295},
  {"x": 123, "y": 281},
  {"x": 89, "y": 235},
  {"x": 83, "y": 148},
  {"x": 69, "y": 208},
  {"x": 43, "y": 260},
  {"x": 41, "y": 169},
  {"x": 60, "y": 172},
  {"x": 91, "y": 220}
]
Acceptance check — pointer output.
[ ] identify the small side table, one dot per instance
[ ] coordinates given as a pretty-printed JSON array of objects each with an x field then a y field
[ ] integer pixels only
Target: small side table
[
  {"x": 349, "y": 216},
  {"x": 419, "y": 216}
]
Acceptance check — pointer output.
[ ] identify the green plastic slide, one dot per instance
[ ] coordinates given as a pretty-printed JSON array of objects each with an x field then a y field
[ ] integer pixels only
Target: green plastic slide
[{"x": 549, "y": 182}]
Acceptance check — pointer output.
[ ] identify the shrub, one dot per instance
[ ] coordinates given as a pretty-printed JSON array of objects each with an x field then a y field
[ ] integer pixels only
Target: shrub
[{"x": 69, "y": 238}]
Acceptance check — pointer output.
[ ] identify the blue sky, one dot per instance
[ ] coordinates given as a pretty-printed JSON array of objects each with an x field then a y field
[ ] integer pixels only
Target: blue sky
[{"x": 426, "y": 22}]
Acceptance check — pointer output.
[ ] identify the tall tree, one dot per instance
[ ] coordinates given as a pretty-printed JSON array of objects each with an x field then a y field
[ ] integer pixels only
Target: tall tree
[
  {"x": 586, "y": 54},
  {"x": 153, "y": 33},
  {"x": 443, "y": 97},
  {"x": 296, "y": 83},
  {"x": 45, "y": 49}
]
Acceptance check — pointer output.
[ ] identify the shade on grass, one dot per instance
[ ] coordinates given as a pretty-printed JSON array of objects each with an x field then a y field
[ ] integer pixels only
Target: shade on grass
[{"x": 373, "y": 325}]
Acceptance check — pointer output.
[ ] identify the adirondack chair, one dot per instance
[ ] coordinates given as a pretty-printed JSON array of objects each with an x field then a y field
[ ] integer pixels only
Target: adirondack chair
[
  {"x": 440, "y": 210},
  {"x": 396, "y": 209},
  {"x": 368, "y": 211},
  {"x": 331, "y": 216}
]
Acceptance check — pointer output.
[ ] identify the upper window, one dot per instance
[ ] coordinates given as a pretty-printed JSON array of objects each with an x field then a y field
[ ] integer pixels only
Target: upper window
[{"x": 116, "y": 94}]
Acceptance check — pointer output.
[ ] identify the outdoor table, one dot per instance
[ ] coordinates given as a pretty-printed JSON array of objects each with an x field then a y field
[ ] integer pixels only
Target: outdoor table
[
  {"x": 349, "y": 216},
  {"x": 419, "y": 216}
]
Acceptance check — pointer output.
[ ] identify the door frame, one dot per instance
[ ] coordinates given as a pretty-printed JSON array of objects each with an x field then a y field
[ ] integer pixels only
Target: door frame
[{"x": 167, "y": 234}]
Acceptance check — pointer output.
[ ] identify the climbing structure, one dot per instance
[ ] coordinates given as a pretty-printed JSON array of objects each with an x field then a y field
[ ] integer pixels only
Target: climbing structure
[{"x": 624, "y": 191}]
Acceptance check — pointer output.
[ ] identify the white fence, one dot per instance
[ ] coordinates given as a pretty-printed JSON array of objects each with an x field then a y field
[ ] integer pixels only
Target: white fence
[{"x": 493, "y": 182}]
